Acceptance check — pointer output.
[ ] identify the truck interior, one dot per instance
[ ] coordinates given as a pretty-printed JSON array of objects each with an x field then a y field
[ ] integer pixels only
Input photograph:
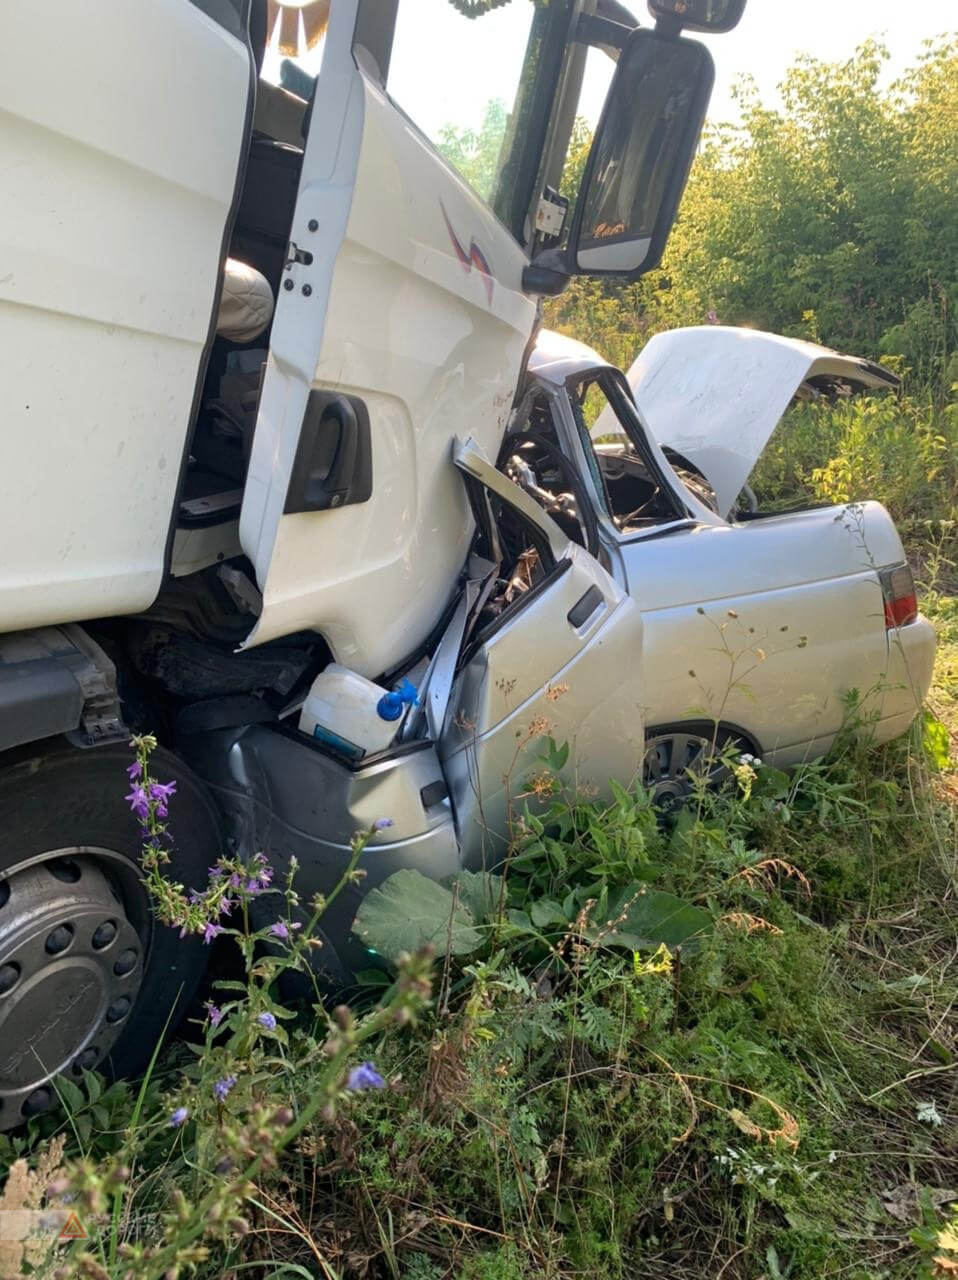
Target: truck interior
[{"x": 252, "y": 277}]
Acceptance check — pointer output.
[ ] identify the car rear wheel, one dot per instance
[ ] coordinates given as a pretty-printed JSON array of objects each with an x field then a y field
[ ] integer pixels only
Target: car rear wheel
[
  {"x": 88, "y": 978},
  {"x": 678, "y": 757}
]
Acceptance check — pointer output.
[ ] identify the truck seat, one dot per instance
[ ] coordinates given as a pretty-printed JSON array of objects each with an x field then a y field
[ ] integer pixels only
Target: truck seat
[{"x": 246, "y": 304}]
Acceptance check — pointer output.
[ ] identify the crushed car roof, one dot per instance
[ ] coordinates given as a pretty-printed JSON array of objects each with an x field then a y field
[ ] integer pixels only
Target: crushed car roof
[{"x": 556, "y": 358}]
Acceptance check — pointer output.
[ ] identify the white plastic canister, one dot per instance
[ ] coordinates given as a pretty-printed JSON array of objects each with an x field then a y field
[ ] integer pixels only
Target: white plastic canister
[{"x": 351, "y": 714}]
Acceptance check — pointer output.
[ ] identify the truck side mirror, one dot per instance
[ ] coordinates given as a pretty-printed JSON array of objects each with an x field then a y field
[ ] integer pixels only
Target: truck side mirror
[
  {"x": 698, "y": 15},
  {"x": 641, "y": 156},
  {"x": 638, "y": 164}
]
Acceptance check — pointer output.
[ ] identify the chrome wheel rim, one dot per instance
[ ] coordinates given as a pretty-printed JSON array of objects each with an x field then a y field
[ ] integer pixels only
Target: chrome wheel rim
[{"x": 71, "y": 967}]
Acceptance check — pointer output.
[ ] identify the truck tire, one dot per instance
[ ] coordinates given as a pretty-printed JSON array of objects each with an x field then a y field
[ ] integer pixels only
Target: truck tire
[{"x": 88, "y": 978}]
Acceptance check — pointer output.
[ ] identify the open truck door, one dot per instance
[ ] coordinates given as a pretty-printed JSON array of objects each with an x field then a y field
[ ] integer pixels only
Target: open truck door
[{"x": 400, "y": 321}]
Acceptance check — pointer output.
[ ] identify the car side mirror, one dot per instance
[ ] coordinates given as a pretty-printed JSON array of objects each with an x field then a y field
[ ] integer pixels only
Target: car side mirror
[{"x": 638, "y": 164}]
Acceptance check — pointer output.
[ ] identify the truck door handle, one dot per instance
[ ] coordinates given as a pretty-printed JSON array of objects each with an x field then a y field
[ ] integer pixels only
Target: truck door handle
[
  {"x": 583, "y": 609},
  {"x": 333, "y": 465}
]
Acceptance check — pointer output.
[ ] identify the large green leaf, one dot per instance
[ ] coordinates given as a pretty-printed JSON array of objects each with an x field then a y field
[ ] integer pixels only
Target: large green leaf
[
  {"x": 650, "y": 918},
  {"x": 480, "y": 893},
  {"x": 408, "y": 910}
]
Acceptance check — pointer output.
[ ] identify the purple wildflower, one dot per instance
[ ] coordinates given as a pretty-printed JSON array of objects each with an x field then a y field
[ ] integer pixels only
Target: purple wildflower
[
  {"x": 267, "y": 1020},
  {"x": 139, "y": 802},
  {"x": 253, "y": 887},
  {"x": 215, "y": 872},
  {"x": 134, "y": 770},
  {"x": 364, "y": 1076},
  {"x": 214, "y": 1014},
  {"x": 234, "y": 881},
  {"x": 225, "y": 906},
  {"x": 282, "y": 930},
  {"x": 178, "y": 1117},
  {"x": 210, "y": 931},
  {"x": 382, "y": 823},
  {"x": 222, "y": 1087},
  {"x": 194, "y": 898},
  {"x": 162, "y": 790}
]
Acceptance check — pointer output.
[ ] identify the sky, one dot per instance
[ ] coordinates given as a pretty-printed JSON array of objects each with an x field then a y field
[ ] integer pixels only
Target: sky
[
  {"x": 445, "y": 67},
  {"x": 773, "y": 32}
]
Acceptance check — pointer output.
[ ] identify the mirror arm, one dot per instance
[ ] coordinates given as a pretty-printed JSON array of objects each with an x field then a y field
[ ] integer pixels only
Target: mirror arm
[
  {"x": 617, "y": 12},
  {"x": 669, "y": 26},
  {"x": 602, "y": 32},
  {"x": 547, "y": 273}
]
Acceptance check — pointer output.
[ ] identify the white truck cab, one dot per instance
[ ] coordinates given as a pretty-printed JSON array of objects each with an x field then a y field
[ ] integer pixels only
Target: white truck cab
[{"x": 262, "y": 343}]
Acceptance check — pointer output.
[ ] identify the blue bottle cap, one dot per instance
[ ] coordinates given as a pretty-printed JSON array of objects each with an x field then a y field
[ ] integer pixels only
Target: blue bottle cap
[{"x": 390, "y": 705}]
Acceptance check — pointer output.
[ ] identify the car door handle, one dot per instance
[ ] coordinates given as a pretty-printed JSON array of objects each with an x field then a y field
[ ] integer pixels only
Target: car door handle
[{"x": 583, "y": 609}]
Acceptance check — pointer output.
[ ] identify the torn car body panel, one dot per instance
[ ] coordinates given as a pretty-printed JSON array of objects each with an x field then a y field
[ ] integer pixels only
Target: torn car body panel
[
  {"x": 563, "y": 660},
  {"x": 715, "y": 394}
]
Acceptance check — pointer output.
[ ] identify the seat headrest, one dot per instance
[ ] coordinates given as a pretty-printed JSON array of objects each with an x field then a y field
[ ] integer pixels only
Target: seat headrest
[{"x": 246, "y": 303}]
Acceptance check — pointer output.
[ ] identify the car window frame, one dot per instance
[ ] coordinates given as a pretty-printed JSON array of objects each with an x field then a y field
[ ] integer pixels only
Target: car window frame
[
  {"x": 550, "y": 542},
  {"x": 634, "y": 429}
]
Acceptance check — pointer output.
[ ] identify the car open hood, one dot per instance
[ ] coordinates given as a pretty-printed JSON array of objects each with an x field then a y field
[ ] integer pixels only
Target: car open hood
[{"x": 715, "y": 394}]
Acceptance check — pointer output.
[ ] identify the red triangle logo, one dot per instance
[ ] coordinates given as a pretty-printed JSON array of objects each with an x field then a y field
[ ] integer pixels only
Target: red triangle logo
[{"x": 73, "y": 1229}]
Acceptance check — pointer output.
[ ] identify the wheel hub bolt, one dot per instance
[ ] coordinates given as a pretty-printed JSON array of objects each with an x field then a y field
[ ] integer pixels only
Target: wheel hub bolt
[
  {"x": 119, "y": 1009},
  {"x": 38, "y": 1101},
  {"x": 126, "y": 963},
  {"x": 59, "y": 939},
  {"x": 104, "y": 935},
  {"x": 86, "y": 1060},
  {"x": 9, "y": 973}
]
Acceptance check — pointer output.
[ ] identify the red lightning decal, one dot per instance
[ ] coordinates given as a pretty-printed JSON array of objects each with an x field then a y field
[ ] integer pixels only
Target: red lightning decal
[{"x": 474, "y": 258}]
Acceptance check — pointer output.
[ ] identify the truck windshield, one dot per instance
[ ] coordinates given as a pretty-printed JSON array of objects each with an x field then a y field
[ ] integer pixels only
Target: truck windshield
[
  {"x": 480, "y": 84},
  {"x": 480, "y": 81},
  {"x": 459, "y": 79}
]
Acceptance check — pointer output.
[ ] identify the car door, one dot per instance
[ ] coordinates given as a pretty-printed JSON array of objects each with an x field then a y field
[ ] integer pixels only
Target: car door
[
  {"x": 401, "y": 321},
  {"x": 121, "y": 132},
  {"x": 562, "y": 661}
]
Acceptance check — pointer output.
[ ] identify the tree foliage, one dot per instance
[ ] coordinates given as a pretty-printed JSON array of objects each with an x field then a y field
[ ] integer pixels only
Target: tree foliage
[{"x": 475, "y": 152}]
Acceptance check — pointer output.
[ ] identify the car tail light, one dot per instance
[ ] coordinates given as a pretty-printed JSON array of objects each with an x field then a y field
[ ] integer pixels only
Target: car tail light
[{"x": 901, "y": 601}]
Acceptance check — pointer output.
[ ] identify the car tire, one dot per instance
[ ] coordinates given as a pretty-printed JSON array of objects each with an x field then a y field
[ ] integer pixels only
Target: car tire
[
  {"x": 673, "y": 752},
  {"x": 88, "y": 977}
]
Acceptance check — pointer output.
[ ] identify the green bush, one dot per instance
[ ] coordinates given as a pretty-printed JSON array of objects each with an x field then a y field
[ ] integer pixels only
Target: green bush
[{"x": 899, "y": 450}]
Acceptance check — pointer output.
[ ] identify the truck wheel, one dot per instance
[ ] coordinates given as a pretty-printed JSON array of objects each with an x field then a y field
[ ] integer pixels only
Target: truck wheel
[{"x": 88, "y": 978}]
